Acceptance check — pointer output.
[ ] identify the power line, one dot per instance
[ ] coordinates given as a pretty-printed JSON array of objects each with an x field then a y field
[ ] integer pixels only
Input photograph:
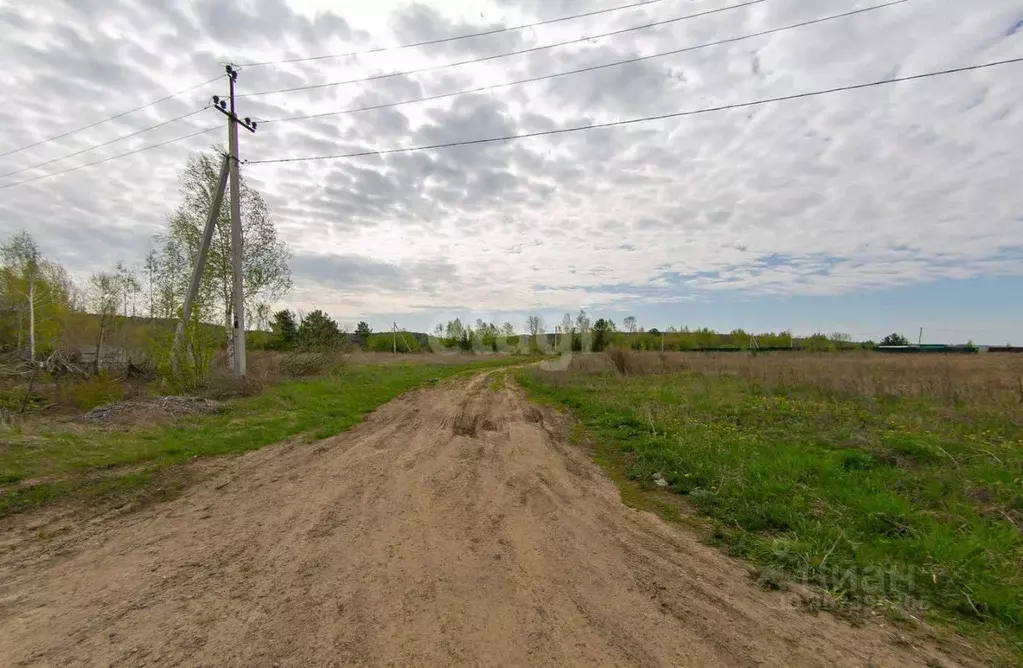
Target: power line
[
  {"x": 108, "y": 159},
  {"x": 592, "y": 68},
  {"x": 679, "y": 114},
  {"x": 106, "y": 143},
  {"x": 443, "y": 40},
  {"x": 111, "y": 118},
  {"x": 377, "y": 77}
]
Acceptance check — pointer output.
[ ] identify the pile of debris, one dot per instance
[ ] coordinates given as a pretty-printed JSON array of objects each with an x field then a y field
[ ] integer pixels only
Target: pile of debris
[{"x": 150, "y": 409}]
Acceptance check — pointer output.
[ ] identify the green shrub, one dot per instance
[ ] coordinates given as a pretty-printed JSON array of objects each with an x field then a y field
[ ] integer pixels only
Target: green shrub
[
  {"x": 324, "y": 362},
  {"x": 98, "y": 390},
  {"x": 13, "y": 399},
  {"x": 194, "y": 359}
]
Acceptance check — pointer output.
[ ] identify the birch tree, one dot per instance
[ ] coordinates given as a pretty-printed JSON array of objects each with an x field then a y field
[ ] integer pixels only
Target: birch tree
[
  {"x": 36, "y": 296},
  {"x": 22, "y": 261},
  {"x": 104, "y": 298},
  {"x": 582, "y": 325},
  {"x": 265, "y": 271},
  {"x": 537, "y": 328},
  {"x": 567, "y": 329},
  {"x": 151, "y": 266},
  {"x": 129, "y": 285}
]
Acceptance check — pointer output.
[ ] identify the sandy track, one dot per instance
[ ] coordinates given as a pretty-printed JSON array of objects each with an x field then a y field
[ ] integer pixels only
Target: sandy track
[{"x": 453, "y": 526}]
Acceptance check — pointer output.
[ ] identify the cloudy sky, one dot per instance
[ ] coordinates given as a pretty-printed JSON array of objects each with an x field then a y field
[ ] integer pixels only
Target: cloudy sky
[{"x": 867, "y": 211}]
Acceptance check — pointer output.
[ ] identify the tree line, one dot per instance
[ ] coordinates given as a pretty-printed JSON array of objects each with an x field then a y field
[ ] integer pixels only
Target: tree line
[
  {"x": 581, "y": 333},
  {"x": 577, "y": 333},
  {"x": 289, "y": 331}
]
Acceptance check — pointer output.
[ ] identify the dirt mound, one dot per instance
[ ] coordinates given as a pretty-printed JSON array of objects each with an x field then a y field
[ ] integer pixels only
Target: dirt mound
[
  {"x": 145, "y": 410},
  {"x": 455, "y": 526}
]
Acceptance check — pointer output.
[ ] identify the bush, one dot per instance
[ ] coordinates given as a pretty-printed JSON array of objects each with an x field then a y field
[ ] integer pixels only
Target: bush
[
  {"x": 15, "y": 399},
  {"x": 225, "y": 385},
  {"x": 194, "y": 359},
  {"x": 318, "y": 330},
  {"x": 895, "y": 339},
  {"x": 98, "y": 390},
  {"x": 324, "y": 362}
]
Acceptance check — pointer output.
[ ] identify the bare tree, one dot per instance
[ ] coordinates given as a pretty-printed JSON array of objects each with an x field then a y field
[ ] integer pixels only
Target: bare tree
[
  {"x": 152, "y": 266},
  {"x": 105, "y": 293},
  {"x": 537, "y": 328},
  {"x": 129, "y": 285},
  {"x": 582, "y": 324},
  {"x": 630, "y": 324},
  {"x": 261, "y": 317},
  {"x": 567, "y": 328}
]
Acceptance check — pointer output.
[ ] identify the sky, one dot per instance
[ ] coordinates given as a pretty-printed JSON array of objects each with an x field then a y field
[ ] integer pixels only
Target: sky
[{"x": 868, "y": 211}]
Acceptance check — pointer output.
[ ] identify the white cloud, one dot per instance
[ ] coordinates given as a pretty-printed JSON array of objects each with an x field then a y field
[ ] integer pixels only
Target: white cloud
[{"x": 858, "y": 190}]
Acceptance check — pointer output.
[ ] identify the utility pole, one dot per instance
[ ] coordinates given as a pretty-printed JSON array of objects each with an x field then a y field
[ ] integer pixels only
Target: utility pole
[
  {"x": 236, "y": 219},
  {"x": 200, "y": 264},
  {"x": 920, "y": 339},
  {"x": 394, "y": 338}
]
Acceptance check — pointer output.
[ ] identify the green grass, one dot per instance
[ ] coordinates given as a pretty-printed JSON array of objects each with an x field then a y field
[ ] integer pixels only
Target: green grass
[
  {"x": 884, "y": 504},
  {"x": 497, "y": 381},
  {"x": 124, "y": 464}
]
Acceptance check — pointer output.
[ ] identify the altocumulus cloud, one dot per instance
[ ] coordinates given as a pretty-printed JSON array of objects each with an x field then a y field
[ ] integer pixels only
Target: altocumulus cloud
[{"x": 854, "y": 191}]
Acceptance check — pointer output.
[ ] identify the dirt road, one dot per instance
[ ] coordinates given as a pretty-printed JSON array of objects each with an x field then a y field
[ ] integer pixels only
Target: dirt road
[{"x": 453, "y": 527}]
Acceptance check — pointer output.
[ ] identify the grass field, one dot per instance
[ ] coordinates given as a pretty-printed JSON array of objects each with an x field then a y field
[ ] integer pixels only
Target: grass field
[
  {"x": 892, "y": 484},
  {"x": 46, "y": 459}
]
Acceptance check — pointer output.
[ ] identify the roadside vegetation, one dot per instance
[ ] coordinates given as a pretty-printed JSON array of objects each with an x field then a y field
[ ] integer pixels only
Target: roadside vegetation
[
  {"x": 891, "y": 485},
  {"x": 46, "y": 460},
  {"x": 98, "y": 404}
]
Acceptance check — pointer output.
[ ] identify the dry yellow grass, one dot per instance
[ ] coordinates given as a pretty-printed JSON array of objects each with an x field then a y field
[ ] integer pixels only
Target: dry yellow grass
[
  {"x": 995, "y": 379},
  {"x": 272, "y": 364},
  {"x": 359, "y": 357}
]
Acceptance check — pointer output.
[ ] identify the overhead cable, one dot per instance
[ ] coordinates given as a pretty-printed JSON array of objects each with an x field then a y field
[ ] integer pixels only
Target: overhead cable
[
  {"x": 110, "y": 118},
  {"x": 646, "y": 119},
  {"x": 443, "y": 40},
  {"x": 592, "y": 68},
  {"x": 106, "y": 143},
  {"x": 108, "y": 159},
  {"x": 433, "y": 68}
]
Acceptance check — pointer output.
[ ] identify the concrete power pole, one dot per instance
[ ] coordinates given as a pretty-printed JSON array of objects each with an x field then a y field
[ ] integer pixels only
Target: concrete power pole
[
  {"x": 237, "y": 256},
  {"x": 200, "y": 264}
]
